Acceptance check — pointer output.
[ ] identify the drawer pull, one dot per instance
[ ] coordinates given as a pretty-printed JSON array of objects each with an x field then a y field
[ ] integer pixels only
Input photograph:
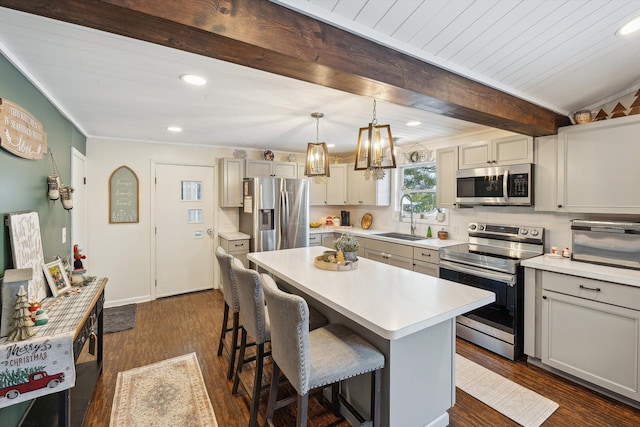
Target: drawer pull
[
  {"x": 239, "y": 245},
  {"x": 589, "y": 289},
  {"x": 423, "y": 254}
]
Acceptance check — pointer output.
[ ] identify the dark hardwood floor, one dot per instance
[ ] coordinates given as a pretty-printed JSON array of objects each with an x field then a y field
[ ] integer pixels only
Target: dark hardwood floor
[{"x": 178, "y": 325}]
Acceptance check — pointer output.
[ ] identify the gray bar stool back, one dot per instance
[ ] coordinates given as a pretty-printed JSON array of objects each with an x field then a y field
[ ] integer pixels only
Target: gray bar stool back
[
  {"x": 231, "y": 302},
  {"x": 316, "y": 359}
]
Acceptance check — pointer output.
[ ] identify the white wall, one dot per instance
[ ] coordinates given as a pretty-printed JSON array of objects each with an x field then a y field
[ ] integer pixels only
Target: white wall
[{"x": 123, "y": 252}]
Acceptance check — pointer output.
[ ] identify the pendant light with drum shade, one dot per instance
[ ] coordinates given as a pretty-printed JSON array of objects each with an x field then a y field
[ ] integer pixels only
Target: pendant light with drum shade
[
  {"x": 317, "y": 160},
  {"x": 375, "y": 151}
]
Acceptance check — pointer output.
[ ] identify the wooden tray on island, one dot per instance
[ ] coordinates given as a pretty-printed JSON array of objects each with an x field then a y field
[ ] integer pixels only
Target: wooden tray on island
[{"x": 320, "y": 263}]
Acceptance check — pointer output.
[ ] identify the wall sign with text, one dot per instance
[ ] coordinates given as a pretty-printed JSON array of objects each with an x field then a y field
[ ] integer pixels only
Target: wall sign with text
[
  {"x": 123, "y": 196},
  {"x": 20, "y": 132}
]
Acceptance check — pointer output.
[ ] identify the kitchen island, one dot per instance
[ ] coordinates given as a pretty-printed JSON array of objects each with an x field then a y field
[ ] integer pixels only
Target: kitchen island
[{"x": 410, "y": 317}]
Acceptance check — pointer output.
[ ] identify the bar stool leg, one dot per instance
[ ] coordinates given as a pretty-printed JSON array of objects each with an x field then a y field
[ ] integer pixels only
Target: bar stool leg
[
  {"x": 273, "y": 394},
  {"x": 243, "y": 346},
  {"x": 376, "y": 380},
  {"x": 234, "y": 344},
  {"x": 257, "y": 386},
  {"x": 303, "y": 409},
  {"x": 223, "y": 330}
]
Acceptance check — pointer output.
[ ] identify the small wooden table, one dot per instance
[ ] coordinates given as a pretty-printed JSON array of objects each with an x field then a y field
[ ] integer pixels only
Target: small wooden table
[{"x": 82, "y": 314}]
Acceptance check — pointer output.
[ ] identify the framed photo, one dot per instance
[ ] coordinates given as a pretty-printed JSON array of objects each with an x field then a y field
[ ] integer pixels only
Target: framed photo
[{"x": 57, "y": 278}]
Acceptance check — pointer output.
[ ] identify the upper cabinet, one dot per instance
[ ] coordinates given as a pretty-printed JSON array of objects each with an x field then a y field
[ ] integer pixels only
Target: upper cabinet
[
  {"x": 362, "y": 191},
  {"x": 496, "y": 152},
  {"x": 447, "y": 165},
  {"x": 598, "y": 167},
  {"x": 333, "y": 191},
  {"x": 231, "y": 175},
  {"x": 267, "y": 168}
]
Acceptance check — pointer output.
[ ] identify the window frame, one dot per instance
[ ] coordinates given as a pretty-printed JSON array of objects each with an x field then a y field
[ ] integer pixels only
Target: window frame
[{"x": 419, "y": 217}]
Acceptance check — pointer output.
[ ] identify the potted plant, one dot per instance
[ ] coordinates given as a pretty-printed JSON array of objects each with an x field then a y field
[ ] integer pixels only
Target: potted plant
[{"x": 349, "y": 246}]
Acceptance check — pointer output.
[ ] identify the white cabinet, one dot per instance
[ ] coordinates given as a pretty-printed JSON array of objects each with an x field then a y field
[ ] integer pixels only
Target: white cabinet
[
  {"x": 322, "y": 239},
  {"x": 426, "y": 261},
  {"x": 591, "y": 330},
  {"x": 362, "y": 191},
  {"x": 446, "y": 167},
  {"x": 545, "y": 173},
  {"x": 231, "y": 175},
  {"x": 331, "y": 192},
  {"x": 597, "y": 167},
  {"x": 390, "y": 253},
  {"x": 496, "y": 152},
  {"x": 267, "y": 168},
  {"x": 237, "y": 248}
]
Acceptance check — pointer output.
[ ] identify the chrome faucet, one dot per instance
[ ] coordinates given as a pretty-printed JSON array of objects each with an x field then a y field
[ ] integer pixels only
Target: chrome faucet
[{"x": 413, "y": 225}]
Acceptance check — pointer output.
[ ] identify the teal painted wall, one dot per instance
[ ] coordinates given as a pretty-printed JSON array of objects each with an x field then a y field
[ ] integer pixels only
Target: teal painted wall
[{"x": 23, "y": 183}]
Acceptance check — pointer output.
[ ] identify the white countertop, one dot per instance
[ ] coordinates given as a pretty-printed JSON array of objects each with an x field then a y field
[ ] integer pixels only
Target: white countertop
[
  {"x": 233, "y": 235},
  {"x": 584, "y": 269},
  {"x": 432, "y": 243},
  {"x": 390, "y": 301}
]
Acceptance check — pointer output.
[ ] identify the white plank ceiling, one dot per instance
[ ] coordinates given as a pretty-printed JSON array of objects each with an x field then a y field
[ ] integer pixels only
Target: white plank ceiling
[{"x": 563, "y": 55}]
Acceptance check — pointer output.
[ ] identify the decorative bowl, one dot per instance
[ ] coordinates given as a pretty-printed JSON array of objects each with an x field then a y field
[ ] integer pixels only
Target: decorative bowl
[
  {"x": 582, "y": 116},
  {"x": 315, "y": 224}
]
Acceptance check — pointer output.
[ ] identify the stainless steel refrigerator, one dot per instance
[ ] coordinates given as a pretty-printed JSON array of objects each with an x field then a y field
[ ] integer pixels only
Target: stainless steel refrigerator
[{"x": 275, "y": 213}]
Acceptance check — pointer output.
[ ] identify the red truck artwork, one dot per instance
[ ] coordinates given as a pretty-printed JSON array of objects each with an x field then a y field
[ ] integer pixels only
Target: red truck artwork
[{"x": 37, "y": 380}]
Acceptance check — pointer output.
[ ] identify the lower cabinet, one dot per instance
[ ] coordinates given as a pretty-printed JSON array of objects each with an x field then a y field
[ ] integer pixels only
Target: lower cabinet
[
  {"x": 237, "y": 248},
  {"x": 390, "y": 253},
  {"x": 426, "y": 261},
  {"x": 322, "y": 239},
  {"x": 591, "y": 330}
]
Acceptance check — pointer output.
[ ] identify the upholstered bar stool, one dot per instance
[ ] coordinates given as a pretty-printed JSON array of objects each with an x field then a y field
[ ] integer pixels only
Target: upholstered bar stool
[
  {"x": 255, "y": 322},
  {"x": 315, "y": 359},
  {"x": 230, "y": 294}
]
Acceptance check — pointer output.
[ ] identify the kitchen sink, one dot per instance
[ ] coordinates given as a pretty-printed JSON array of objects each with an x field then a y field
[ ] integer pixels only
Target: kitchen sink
[{"x": 401, "y": 236}]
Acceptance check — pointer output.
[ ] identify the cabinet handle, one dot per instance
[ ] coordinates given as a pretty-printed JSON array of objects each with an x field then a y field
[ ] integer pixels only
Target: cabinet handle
[
  {"x": 423, "y": 254},
  {"x": 589, "y": 289},
  {"x": 239, "y": 245},
  {"x": 489, "y": 161},
  {"x": 559, "y": 206},
  {"x": 544, "y": 297}
]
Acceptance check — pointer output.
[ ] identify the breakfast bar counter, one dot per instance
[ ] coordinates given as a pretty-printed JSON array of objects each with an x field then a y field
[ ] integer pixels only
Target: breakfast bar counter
[{"x": 408, "y": 316}]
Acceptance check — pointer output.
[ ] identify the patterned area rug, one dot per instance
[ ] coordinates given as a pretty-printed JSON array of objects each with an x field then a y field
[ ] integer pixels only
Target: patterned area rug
[
  {"x": 522, "y": 405},
  {"x": 167, "y": 393}
]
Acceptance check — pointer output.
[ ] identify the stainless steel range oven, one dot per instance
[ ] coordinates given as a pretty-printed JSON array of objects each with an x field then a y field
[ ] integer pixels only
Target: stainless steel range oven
[{"x": 491, "y": 261}]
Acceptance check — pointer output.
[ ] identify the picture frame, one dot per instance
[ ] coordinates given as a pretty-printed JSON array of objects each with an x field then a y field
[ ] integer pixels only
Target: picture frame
[{"x": 56, "y": 277}]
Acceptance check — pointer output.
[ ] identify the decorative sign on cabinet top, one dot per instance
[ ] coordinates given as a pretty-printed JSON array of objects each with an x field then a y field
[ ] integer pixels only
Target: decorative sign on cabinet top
[{"x": 21, "y": 133}]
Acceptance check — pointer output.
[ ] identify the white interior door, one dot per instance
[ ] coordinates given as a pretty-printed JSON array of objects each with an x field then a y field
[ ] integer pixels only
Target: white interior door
[
  {"x": 79, "y": 211},
  {"x": 184, "y": 212}
]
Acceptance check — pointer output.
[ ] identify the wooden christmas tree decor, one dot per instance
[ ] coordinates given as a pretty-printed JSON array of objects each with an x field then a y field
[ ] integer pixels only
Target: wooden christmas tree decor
[
  {"x": 618, "y": 111},
  {"x": 602, "y": 115},
  {"x": 635, "y": 107},
  {"x": 22, "y": 323}
]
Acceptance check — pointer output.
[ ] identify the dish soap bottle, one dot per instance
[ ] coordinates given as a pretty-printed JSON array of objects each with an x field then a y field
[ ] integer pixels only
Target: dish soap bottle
[{"x": 429, "y": 235}]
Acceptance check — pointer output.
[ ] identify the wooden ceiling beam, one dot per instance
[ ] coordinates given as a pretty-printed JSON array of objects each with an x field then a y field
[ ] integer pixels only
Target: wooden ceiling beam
[{"x": 268, "y": 37}]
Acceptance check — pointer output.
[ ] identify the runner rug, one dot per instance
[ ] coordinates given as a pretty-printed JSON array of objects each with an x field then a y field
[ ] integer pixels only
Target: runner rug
[
  {"x": 522, "y": 405},
  {"x": 167, "y": 393}
]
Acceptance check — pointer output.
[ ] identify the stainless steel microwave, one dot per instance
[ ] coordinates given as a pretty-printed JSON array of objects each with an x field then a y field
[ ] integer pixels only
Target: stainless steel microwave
[{"x": 510, "y": 185}]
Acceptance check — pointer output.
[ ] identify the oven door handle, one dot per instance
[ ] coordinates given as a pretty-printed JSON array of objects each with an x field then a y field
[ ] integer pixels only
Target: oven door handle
[{"x": 509, "y": 279}]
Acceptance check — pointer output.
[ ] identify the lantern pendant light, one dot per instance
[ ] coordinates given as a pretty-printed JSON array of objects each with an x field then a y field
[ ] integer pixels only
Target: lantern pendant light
[
  {"x": 375, "y": 151},
  {"x": 317, "y": 160}
]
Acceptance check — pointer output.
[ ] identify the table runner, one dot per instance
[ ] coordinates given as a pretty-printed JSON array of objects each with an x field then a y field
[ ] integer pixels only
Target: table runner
[{"x": 45, "y": 363}]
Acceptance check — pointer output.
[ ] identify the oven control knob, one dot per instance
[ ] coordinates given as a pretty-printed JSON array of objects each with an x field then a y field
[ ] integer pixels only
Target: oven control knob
[
  {"x": 534, "y": 232},
  {"x": 524, "y": 231},
  {"x": 480, "y": 227},
  {"x": 472, "y": 226}
]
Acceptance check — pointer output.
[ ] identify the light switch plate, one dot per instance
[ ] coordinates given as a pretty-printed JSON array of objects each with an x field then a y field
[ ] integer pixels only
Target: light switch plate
[{"x": 64, "y": 235}]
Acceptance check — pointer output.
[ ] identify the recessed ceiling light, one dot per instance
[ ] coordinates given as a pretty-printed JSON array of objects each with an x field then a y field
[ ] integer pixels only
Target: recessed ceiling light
[
  {"x": 174, "y": 129},
  {"x": 414, "y": 123},
  {"x": 630, "y": 27},
  {"x": 192, "y": 79}
]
